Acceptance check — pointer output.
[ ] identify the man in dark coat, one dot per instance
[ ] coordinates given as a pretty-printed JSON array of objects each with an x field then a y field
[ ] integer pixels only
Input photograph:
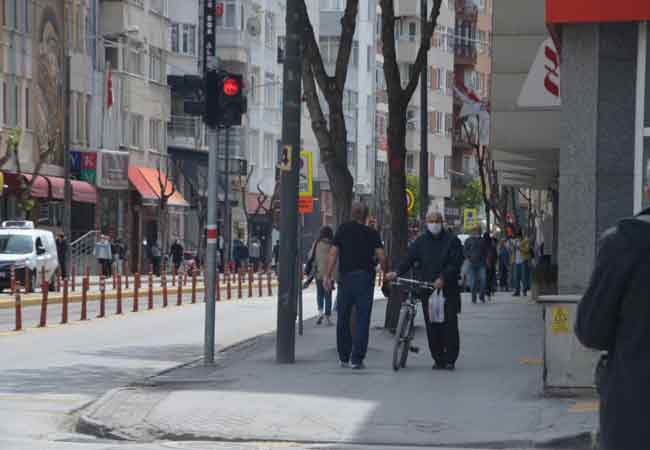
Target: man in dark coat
[
  {"x": 439, "y": 254},
  {"x": 176, "y": 252},
  {"x": 614, "y": 316}
]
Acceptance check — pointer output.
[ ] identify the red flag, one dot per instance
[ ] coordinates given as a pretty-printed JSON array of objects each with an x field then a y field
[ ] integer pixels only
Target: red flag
[{"x": 109, "y": 88}]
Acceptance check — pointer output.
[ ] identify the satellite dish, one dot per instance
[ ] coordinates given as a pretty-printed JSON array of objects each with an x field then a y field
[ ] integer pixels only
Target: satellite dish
[{"x": 253, "y": 26}]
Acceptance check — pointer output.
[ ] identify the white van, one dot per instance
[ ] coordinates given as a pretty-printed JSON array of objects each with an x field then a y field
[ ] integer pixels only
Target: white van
[{"x": 29, "y": 251}]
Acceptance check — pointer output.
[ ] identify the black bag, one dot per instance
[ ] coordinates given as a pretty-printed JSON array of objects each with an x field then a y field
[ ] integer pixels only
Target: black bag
[{"x": 309, "y": 266}]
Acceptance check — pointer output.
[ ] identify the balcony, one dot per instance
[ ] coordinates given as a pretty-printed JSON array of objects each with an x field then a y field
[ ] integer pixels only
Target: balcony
[
  {"x": 407, "y": 8},
  {"x": 151, "y": 26},
  {"x": 466, "y": 10},
  {"x": 439, "y": 145},
  {"x": 185, "y": 132},
  {"x": 407, "y": 49},
  {"x": 466, "y": 53}
]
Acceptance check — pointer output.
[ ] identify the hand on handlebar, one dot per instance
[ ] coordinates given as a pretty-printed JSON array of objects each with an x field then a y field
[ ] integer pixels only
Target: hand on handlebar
[{"x": 390, "y": 276}]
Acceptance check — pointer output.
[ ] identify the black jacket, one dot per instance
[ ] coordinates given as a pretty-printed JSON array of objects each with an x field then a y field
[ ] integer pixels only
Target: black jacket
[
  {"x": 437, "y": 256},
  {"x": 614, "y": 315}
]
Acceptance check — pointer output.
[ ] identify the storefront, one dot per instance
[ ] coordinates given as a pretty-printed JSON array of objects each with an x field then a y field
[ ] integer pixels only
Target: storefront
[{"x": 604, "y": 167}]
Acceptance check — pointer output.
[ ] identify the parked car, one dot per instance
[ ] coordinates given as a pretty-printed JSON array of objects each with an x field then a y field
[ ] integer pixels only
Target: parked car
[{"x": 30, "y": 252}]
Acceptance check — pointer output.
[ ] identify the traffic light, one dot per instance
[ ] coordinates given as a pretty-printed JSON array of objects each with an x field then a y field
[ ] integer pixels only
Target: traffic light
[{"x": 225, "y": 101}]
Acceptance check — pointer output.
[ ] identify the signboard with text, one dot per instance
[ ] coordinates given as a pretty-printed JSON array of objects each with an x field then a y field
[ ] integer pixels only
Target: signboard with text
[{"x": 306, "y": 182}]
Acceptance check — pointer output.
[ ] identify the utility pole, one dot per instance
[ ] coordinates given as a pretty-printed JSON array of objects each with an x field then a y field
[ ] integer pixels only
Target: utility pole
[
  {"x": 67, "y": 187},
  {"x": 424, "y": 122},
  {"x": 288, "y": 290},
  {"x": 211, "y": 247}
]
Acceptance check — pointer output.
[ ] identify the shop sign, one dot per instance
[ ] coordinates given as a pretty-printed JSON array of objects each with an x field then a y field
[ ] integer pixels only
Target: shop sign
[
  {"x": 113, "y": 170},
  {"x": 542, "y": 86}
]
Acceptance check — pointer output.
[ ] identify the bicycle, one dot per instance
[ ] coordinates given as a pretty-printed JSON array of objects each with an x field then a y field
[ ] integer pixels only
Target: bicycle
[{"x": 405, "y": 330}]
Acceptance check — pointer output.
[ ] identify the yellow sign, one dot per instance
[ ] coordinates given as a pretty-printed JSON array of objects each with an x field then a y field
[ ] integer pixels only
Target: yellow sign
[
  {"x": 410, "y": 200},
  {"x": 306, "y": 174},
  {"x": 560, "y": 320},
  {"x": 2, "y": 182},
  {"x": 470, "y": 217},
  {"x": 285, "y": 158}
]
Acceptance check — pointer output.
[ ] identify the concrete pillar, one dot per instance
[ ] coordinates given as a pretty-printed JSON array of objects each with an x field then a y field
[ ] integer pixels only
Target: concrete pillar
[{"x": 597, "y": 142}]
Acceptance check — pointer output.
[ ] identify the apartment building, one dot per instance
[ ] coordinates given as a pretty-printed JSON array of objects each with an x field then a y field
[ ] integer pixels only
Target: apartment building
[
  {"x": 472, "y": 73},
  {"x": 439, "y": 102}
]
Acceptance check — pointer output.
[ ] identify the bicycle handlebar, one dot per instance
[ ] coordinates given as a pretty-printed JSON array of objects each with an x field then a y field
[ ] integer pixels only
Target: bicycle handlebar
[{"x": 414, "y": 284}]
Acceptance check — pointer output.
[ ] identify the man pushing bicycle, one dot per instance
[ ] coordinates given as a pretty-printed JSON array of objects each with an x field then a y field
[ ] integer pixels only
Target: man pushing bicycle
[{"x": 439, "y": 255}]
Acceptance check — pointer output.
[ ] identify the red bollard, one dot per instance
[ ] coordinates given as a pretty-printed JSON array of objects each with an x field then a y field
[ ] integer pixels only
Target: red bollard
[
  {"x": 268, "y": 278},
  {"x": 239, "y": 285},
  {"x": 73, "y": 272},
  {"x": 64, "y": 303},
  {"x": 164, "y": 282},
  {"x": 102, "y": 297},
  {"x": 194, "y": 286},
  {"x": 13, "y": 279},
  {"x": 19, "y": 312},
  {"x": 114, "y": 275},
  {"x": 119, "y": 296},
  {"x": 179, "y": 291},
  {"x": 173, "y": 275},
  {"x": 136, "y": 292},
  {"x": 85, "y": 286},
  {"x": 250, "y": 282},
  {"x": 261, "y": 284},
  {"x": 150, "y": 292},
  {"x": 228, "y": 287},
  {"x": 44, "y": 290},
  {"x": 58, "y": 281}
]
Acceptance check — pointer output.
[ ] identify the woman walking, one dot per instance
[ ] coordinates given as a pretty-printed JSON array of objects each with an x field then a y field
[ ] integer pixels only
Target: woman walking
[{"x": 320, "y": 250}]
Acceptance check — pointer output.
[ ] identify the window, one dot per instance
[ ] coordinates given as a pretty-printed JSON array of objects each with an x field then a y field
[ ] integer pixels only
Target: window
[
  {"x": 370, "y": 109},
  {"x": 355, "y": 54},
  {"x": 229, "y": 17},
  {"x": 410, "y": 163},
  {"x": 125, "y": 128},
  {"x": 159, "y": 6},
  {"x": 269, "y": 90},
  {"x": 252, "y": 92},
  {"x": 436, "y": 119},
  {"x": 329, "y": 47},
  {"x": 89, "y": 113},
  {"x": 437, "y": 80},
  {"x": 379, "y": 77},
  {"x": 450, "y": 40},
  {"x": 450, "y": 82},
  {"x": 134, "y": 60},
  {"x": 5, "y": 101},
  {"x": 467, "y": 165},
  {"x": 27, "y": 108},
  {"x": 254, "y": 148},
  {"x": 183, "y": 39},
  {"x": 372, "y": 10},
  {"x": 412, "y": 31},
  {"x": 269, "y": 151},
  {"x": 26, "y": 16},
  {"x": 282, "y": 46},
  {"x": 438, "y": 39},
  {"x": 155, "y": 65},
  {"x": 155, "y": 134},
  {"x": 135, "y": 130},
  {"x": 370, "y": 59},
  {"x": 449, "y": 124},
  {"x": 332, "y": 5},
  {"x": 16, "y": 106},
  {"x": 352, "y": 157},
  {"x": 269, "y": 30},
  {"x": 77, "y": 122},
  {"x": 439, "y": 168},
  {"x": 350, "y": 101},
  {"x": 3, "y": 17}
]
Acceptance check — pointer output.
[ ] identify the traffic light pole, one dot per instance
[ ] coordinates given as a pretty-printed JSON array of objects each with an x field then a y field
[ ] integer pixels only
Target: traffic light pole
[
  {"x": 226, "y": 200},
  {"x": 211, "y": 247},
  {"x": 288, "y": 290}
]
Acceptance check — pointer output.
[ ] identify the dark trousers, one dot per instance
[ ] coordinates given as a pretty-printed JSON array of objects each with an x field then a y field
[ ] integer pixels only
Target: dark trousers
[
  {"x": 106, "y": 267},
  {"x": 323, "y": 298},
  {"x": 503, "y": 277},
  {"x": 444, "y": 338},
  {"x": 354, "y": 289}
]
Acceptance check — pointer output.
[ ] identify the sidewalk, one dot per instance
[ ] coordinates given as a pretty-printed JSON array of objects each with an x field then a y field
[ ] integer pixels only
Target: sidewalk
[{"x": 494, "y": 398}]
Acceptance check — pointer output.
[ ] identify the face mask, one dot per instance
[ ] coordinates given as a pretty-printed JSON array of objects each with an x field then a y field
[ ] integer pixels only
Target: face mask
[{"x": 434, "y": 228}]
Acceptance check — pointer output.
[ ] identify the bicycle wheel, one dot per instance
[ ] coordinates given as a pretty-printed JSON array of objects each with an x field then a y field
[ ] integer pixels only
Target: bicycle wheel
[
  {"x": 400, "y": 348},
  {"x": 406, "y": 341}
]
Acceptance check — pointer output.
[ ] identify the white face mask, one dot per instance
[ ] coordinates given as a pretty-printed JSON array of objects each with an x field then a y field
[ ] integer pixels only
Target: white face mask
[{"x": 434, "y": 228}]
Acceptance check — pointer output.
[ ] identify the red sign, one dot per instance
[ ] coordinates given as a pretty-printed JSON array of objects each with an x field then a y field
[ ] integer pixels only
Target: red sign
[
  {"x": 306, "y": 205},
  {"x": 583, "y": 11},
  {"x": 218, "y": 10}
]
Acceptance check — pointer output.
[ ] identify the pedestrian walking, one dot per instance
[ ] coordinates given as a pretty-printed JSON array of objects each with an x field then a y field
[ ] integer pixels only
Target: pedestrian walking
[
  {"x": 104, "y": 254},
  {"x": 356, "y": 246},
  {"x": 156, "y": 256},
  {"x": 439, "y": 254},
  {"x": 176, "y": 253},
  {"x": 255, "y": 253},
  {"x": 614, "y": 317},
  {"x": 62, "y": 253},
  {"x": 521, "y": 257},
  {"x": 476, "y": 253},
  {"x": 490, "y": 264},
  {"x": 319, "y": 252},
  {"x": 504, "y": 265},
  {"x": 276, "y": 254}
]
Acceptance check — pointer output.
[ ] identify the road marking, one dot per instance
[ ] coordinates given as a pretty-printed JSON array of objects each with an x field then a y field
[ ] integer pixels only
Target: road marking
[
  {"x": 531, "y": 361},
  {"x": 585, "y": 406}
]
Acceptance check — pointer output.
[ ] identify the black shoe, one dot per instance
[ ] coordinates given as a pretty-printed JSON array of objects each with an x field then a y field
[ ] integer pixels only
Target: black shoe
[
  {"x": 414, "y": 349},
  {"x": 450, "y": 366},
  {"x": 483, "y": 300},
  {"x": 516, "y": 294},
  {"x": 525, "y": 293},
  {"x": 437, "y": 366},
  {"x": 320, "y": 320}
]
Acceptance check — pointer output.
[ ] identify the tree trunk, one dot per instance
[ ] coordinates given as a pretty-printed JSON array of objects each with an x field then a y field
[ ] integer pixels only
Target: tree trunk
[
  {"x": 480, "y": 157},
  {"x": 397, "y": 198}
]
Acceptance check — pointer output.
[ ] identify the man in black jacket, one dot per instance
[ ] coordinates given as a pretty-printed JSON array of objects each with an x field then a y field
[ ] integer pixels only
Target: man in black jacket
[
  {"x": 440, "y": 257},
  {"x": 614, "y": 316}
]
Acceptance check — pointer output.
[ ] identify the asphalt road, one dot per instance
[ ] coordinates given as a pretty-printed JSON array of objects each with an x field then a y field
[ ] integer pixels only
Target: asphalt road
[{"x": 46, "y": 374}]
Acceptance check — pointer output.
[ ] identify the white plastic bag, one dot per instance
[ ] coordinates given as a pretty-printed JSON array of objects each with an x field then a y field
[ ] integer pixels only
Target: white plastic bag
[{"x": 437, "y": 306}]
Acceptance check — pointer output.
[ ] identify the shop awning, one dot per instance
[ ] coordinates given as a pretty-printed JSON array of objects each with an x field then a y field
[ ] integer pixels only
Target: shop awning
[
  {"x": 147, "y": 182},
  {"x": 82, "y": 191},
  {"x": 40, "y": 188}
]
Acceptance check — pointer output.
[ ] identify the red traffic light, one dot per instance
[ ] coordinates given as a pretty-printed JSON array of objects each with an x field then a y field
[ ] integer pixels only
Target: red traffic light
[{"x": 231, "y": 87}]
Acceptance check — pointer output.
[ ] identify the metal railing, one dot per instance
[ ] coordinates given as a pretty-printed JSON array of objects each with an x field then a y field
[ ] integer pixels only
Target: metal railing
[
  {"x": 81, "y": 252},
  {"x": 186, "y": 129}
]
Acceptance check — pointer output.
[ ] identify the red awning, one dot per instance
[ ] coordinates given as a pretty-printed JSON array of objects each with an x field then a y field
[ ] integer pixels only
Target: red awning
[
  {"x": 594, "y": 11},
  {"x": 41, "y": 186},
  {"x": 82, "y": 191},
  {"x": 147, "y": 182}
]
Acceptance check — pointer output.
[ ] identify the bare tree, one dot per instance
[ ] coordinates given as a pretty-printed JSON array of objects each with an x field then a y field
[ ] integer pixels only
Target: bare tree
[
  {"x": 329, "y": 128},
  {"x": 167, "y": 187},
  {"x": 398, "y": 101},
  {"x": 199, "y": 201}
]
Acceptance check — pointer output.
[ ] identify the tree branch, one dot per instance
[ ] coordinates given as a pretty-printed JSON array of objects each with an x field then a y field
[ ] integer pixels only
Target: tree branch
[
  {"x": 428, "y": 29},
  {"x": 318, "y": 122},
  {"x": 348, "y": 26},
  {"x": 391, "y": 68},
  {"x": 312, "y": 51}
]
